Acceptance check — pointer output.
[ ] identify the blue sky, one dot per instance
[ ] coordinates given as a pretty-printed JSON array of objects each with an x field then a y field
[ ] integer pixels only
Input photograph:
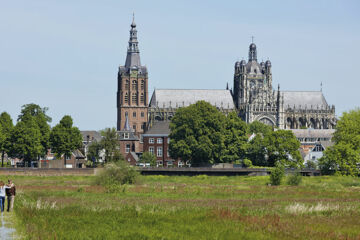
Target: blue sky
[{"x": 64, "y": 54}]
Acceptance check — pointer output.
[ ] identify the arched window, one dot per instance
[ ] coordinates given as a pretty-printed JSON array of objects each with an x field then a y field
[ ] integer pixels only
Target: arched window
[
  {"x": 134, "y": 85},
  {"x": 142, "y": 98},
  {"x": 142, "y": 84},
  {"x": 126, "y": 98},
  {"x": 134, "y": 98},
  {"x": 127, "y": 84}
]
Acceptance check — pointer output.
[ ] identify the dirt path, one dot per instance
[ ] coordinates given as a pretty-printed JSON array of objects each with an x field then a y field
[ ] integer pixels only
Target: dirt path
[{"x": 6, "y": 232}]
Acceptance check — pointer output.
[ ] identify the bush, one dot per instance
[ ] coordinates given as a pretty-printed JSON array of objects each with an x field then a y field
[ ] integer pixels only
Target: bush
[
  {"x": 277, "y": 174},
  {"x": 247, "y": 163},
  {"x": 116, "y": 174},
  {"x": 294, "y": 179}
]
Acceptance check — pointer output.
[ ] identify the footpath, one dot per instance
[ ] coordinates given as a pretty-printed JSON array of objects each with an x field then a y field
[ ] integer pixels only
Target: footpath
[{"x": 6, "y": 231}]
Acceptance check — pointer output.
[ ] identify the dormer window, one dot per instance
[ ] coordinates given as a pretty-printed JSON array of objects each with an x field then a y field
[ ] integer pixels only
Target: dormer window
[{"x": 126, "y": 135}]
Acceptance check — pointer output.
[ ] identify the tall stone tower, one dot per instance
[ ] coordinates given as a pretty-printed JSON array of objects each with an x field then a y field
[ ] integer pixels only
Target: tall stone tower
[
  {"x": 132, "y": 94},
  {"x": 253, "y": 94}
]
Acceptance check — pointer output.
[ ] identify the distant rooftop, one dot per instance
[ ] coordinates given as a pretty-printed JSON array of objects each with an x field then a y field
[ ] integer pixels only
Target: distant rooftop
[
  {"x": 304, "y": 99},
  {"x": 175, "y": 98}
]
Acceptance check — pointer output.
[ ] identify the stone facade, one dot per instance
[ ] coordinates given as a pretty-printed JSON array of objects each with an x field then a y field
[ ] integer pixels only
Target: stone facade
[{"x": 256, "y": 100}]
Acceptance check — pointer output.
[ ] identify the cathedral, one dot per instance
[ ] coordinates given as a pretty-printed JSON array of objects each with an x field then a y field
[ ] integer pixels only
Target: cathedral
[
  {"x": 252, "y": 96},
  {"x": 256, "y": 100}
]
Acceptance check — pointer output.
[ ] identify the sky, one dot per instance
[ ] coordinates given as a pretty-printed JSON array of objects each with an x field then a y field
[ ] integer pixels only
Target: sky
[{"x": 65, "y": 54}]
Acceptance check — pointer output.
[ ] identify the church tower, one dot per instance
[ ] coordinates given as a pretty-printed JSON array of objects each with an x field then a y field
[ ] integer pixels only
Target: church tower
[{"x": 132, "y": 93}]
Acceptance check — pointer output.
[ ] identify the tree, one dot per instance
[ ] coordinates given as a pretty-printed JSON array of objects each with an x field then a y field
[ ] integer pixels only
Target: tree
[
  {"x": 110, "y": 144},
  {"x": 41, "y": 120},
  {"x": 269, "y": 147},
  {"x": 25, "y": 139},
  {"x": 94, "y": 151},
  {"x": 282, "y": 146},
  {"x": 148, "y": 157},
  {"x": 65, "y": 138},
  {"x": 7, "y": 126},
  {"x": 235, "y": 140},
  {"x": 259, "y": 127},
  {"x": 344, "y": 156},
  {"x": 197, "y": 134}
]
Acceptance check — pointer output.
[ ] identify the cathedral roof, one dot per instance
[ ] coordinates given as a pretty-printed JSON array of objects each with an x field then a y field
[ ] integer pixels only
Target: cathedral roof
[
  {"x": 313, "y": 133},
  {"x": 304, "y": 100},
  {"x": 165, "y": 98}
]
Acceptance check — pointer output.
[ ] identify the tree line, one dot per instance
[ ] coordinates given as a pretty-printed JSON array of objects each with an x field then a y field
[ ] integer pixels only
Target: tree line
[
  {"x": 31, "y": 137},
  {"x": 203, "y": 135}
]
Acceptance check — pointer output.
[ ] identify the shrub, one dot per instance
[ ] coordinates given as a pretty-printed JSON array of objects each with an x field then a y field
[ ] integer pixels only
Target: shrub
[
  {"x": 311, "y": 164},
  {"x": 277, "y": 174},
  {"x": 116, "y": 174},
  {"x": 294, "y": 179},
  {"x": 247, "y": 163}
]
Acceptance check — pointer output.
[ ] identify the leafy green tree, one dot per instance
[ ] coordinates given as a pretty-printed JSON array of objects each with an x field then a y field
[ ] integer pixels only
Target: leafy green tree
[
  {"x": 197, "y": 134},
  {"x": 282, "y": 145},
  {"x": 259, "y": 127},
  {"x": 269, "y": 146},
  {"x": 148, "y": 157},
  {"x": 25, "y": 139},
  {"x": 65, "y": 138},
  {"x": 344, "y": 156},
  {"x": 94, "y": 151},
  {"x": 110, "y": 144},
  {"x": 7, "y": 126},
  {"x": 235, "y": 140},
  {"x": 41, "y": 119}
]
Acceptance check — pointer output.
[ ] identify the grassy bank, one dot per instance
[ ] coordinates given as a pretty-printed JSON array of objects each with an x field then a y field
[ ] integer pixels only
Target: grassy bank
[{"x": 202, "y": 207}]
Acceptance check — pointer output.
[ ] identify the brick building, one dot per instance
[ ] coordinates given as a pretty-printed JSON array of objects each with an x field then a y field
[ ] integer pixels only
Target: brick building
[{"x": 156, "y": 141}]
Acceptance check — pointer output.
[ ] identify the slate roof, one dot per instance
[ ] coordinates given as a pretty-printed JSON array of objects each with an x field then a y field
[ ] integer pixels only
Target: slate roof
[
  {"x": 158, "y": 128},
  {"x": 93, "y": 135},
  {"x": 304, "y": 99},
  {"x": 313, "y": 133},
  {"x": 165, "y": 98}
]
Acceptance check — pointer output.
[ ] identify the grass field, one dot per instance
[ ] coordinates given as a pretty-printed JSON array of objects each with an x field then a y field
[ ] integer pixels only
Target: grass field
[{"x": 198, "y": 207}]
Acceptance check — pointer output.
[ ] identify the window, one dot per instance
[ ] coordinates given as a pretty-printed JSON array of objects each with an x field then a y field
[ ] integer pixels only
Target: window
[
  {"x": 159, "y": 151},
  {"x": 68, "y": 157},
  {"x": 134, "y": 85},
  {"x": 127, "y": 84},
  {"x": 142, "y": 126},
  {"x": 168, "y": 140},
  {"x": 142, "y": 99},
  {"x": 134, "y": 114},
  {"x": 151, "y": 140},
  {"x": 159, "y": 163},
  {"x": 134, "y": 127},
  {"x": 126, "y": 98},
  {"x": 141, "y": 138},
  {"x": 180, "y": 164},
  {"x": 169, "y": 163},
  {"x": 134, "y": 98},
  {"x": 168, "y": 154},
  {"x": 151, "y": 150},
  {"x": 126, "y": 135},
  {"x": 127, "y": 148},
  {"x": 159, "y": 140},
  {"x": 142, "y": 84},
  {"x": 142, "y": 114}
]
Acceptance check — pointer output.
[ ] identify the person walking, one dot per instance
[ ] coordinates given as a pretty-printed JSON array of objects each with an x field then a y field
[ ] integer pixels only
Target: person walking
[
  {"x": 10, "y": 193},
  {"x": 2, "y": 195}
]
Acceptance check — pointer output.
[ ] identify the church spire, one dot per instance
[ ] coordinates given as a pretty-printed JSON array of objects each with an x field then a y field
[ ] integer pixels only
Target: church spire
[
  {"x": 252, "y": 52},
  {"x": 133, "y": 53},
  {"x": 126, "y": 125}
]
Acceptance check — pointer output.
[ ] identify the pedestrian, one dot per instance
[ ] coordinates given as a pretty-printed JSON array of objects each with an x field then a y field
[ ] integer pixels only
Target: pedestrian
[
  {"x": 2, "y": 195},
  {"x": 10, "y": 193}
]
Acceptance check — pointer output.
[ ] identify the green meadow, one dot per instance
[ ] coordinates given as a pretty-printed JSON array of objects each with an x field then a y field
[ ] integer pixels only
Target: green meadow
[{"x": 200, "y": 207}]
